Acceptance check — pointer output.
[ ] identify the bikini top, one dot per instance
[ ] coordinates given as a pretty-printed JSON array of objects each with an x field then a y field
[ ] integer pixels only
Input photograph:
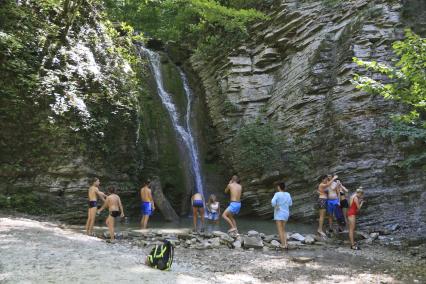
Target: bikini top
[{"x": 214, "y": 206}]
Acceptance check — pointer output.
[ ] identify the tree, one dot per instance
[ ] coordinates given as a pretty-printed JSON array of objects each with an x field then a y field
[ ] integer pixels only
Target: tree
[
  {"x": 202, "y": 25},
  {"x": 404, "y": 82}
]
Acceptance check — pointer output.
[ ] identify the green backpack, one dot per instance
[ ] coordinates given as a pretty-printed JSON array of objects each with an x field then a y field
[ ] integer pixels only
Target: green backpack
[{"x": 161, "y": 256}]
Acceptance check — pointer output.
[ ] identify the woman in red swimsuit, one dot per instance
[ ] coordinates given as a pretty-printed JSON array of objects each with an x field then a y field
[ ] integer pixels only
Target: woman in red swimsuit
[{"x": 355, "y": 204}]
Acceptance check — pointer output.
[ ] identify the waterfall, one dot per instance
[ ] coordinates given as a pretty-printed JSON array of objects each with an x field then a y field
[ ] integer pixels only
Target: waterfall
[{"x": 183, "y": 131}]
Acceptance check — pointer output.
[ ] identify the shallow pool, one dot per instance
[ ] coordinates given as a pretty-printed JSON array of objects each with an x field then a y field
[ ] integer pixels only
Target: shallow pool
[{"x": 244, "y": 224}]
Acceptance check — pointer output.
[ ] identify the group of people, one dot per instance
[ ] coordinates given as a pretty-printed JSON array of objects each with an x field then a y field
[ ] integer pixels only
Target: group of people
[{"x": 332, "y": 200}]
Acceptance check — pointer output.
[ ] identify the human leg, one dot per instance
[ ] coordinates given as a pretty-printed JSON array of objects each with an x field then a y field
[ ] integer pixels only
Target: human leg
[
  {"x": 321, "y": 221},
  {"x": 351, "y": 220},
  {"x": 194, "y": 217},
  {"x": 202, "y": 217},
  {"x": 226, "y": 215},
  {"x": 92, "y": 219},
  {"x": 110, "y": 223}
]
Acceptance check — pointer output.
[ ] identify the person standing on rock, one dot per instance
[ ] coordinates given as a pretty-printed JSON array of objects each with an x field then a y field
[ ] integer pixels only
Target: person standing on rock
[
  {"x": 325, "y": 182},
  {"x": 234, "y": 189},
  {"x": 355, "y": 204},
  {"x": 197, "y": 202},
  {"x": 333, "y": 201},
  {"x": 113, "y": 203},
  {"x": 281, "y": 203},
  {"x": 93, "y": 194},
  {"x": 147, "y": 204}
]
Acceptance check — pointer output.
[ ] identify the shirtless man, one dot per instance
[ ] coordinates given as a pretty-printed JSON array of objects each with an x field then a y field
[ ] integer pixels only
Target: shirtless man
[
  {"x": 333, "y": 201},
  {"x": 235, "y": 190},
  {"x": 147, "y": 204},
  {"x": 93, "y": 194},
  {"x": 113, "y": 203},
  {"x": 325, "y": 182}
]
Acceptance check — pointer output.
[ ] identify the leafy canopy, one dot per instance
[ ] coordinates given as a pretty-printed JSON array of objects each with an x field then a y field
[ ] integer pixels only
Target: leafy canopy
[
  {"x": 405, "y": 82},
  {"x": 203, "y": 25}
]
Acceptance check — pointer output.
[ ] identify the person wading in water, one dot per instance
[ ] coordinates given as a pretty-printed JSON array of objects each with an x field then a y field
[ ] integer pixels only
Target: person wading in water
[
  {"x": 197, "y": 209},
  {"x": 147, "y": 204},
  {"x": 93, "y": 194},
  {"x": 113, "y": 203},
  {"x": 234, "y": 189}
]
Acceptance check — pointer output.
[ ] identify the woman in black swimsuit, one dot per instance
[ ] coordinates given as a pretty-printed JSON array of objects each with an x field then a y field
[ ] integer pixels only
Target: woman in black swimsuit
[{"x": 344, "y": 204}]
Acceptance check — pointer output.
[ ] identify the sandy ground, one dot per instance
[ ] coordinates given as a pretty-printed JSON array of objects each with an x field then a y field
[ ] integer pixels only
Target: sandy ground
[{"x": 42, "y": 252}]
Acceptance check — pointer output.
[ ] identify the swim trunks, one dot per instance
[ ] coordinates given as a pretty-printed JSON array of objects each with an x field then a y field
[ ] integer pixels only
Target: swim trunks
[
  {"x": 344, "y": 203},
  {"x": 115, "y": 213},
  {"x": 93, "y": 204},
  {"x": 234, "y": 207},
  {"x": 322, "y": 203},
  {"x": 332, "y": 205},
  {"x": 197, "y": 203},
  {"x": 146, "y": 208}
]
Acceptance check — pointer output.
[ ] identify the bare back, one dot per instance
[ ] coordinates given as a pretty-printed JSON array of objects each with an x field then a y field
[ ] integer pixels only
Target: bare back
[
  {"x": 113, "y": 202},
  {"x": 92, "y": 193},
  {"x": 197, "y": 196},
  {"x": 235, "y": 191},
  {"x": 146, "y": 195}
]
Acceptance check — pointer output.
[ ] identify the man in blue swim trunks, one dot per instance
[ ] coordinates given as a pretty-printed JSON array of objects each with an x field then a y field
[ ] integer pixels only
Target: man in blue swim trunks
[
  {"x": 147, "y": 204},
  {"x": 234, "y": 189}
]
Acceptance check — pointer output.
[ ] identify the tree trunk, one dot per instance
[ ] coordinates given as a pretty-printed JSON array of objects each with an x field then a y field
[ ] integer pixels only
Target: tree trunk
[{"x": 161, "y": 201}]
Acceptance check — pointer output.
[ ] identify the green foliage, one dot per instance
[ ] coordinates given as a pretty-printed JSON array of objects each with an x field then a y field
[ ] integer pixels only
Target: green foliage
[
  {"x": 255, "y": 147},
  {"x": 204, "y": 25},
  {"x": 405, "y": 82}
]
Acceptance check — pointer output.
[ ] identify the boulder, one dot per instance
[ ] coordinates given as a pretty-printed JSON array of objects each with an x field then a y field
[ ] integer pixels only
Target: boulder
[
  {"x": 237, "y": 244},
  {"x": 252, "y": 242},
  {"x": 252, "y": 233},
  {"x": 297, "y": 237},
  {"x": 309, "y": 239},
  {"x": 374, "y": 235},
  {"x": 215, "y": 242},
  {"x": 269, "y": 238},
  {"x": 275, "y": 244}
]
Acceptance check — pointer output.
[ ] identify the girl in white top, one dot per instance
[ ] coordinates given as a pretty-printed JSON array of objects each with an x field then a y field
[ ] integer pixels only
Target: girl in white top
[{"x": 213, "y": 208}]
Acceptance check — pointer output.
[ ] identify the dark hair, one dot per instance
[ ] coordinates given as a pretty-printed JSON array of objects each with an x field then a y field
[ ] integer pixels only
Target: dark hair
[
  {"x": 92, "y": 180},
  {"x": 280, "y": 184},
  {"x": 321, "y": 178},
  {"x": 112, "y": 189},
  {"x": 148, "y": 182}
]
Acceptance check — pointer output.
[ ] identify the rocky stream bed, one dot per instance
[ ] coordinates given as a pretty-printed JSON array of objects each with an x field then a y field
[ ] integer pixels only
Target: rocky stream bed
[{"x": 50, "y": 252}]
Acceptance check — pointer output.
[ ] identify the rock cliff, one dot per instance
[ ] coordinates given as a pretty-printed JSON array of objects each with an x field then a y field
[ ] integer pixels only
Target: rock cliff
[{"x": 295, "y": 74}]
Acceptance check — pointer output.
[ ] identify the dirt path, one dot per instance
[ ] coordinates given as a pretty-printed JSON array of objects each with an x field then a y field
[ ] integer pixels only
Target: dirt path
[{"x": 41, "y": 252}]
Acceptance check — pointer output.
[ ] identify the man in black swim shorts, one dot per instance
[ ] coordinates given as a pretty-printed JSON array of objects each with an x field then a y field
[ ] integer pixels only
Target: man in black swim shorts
[{"x": 113, "y": 203}]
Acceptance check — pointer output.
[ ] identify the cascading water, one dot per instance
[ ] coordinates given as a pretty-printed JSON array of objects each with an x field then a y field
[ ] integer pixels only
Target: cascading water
[{"x": 183, "y": 131}]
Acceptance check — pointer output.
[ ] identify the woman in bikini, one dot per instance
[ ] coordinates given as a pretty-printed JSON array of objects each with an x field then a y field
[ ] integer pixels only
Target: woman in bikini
[
  {"x": 344, "y": 205},
  {"x": 355, "y": 205},
  {"x": 213, "y": 208}
]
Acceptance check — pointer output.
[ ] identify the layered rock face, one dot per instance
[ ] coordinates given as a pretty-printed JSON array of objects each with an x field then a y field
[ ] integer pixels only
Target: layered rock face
[
  {"x": 295, "y": 74},
  {"x": 75, "y": 119}
]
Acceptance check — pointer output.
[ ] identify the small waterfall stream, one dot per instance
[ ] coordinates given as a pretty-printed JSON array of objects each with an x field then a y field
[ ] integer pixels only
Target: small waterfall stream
[{"x": 183, "y": 130}]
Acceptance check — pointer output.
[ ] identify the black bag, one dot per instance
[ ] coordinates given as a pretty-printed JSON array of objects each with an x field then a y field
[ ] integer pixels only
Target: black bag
[{"x": 161, "y": 256}]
